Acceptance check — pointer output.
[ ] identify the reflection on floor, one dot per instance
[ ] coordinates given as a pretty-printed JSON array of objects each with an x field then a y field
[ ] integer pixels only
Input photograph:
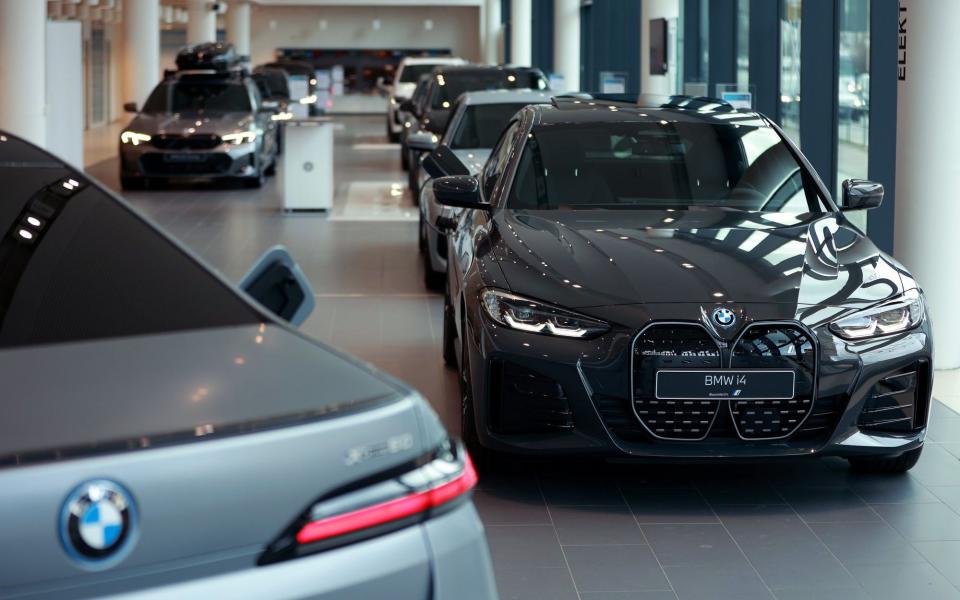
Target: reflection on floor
[{"x": 562, "y": 529}]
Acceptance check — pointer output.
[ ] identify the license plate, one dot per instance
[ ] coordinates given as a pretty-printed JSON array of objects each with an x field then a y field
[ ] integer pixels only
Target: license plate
[
  {"x": 723, "y": 384},
  {"x": 184, "y": 158}
]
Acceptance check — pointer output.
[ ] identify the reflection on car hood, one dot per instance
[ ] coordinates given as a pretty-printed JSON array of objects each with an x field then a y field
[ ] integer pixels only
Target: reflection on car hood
[
  {"x": 473, "y": 158},
  {"x": 190, "y": 123},
  {"x": 172, "y": 387},
  {"x": 612, "y": 257}
]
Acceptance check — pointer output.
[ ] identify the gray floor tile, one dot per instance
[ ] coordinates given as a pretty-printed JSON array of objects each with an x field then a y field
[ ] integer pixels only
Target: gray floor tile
[
  {"x": 945, "y": 556},
  {"x": 524, "y": 546},
  {"x": 535, "y": 583},
  {"x": 891, "y": 490},
  {"x": 668, "y": 505},
  {"x": 906, "y": 581},
  {"x": 580, "y": 489},
  {"x": 828, "y": 505},
  {"x": 628, "y": 596},
  {"x": 595, "y": 525},
  {"x": 682, "y": 545},
  {"x": 944, "y": 429},
  {"x": 922, "y": 522},
  {"x": 740, "y": 492},
  {"x": 948, "y": 494},
  {"x": 866, "y": 544},
  {"x": 615, "y": 569},
  {"x": 508, "y": 507},
  {"x": 937, "y": 466},
  {"x": 717, "y": 582}
]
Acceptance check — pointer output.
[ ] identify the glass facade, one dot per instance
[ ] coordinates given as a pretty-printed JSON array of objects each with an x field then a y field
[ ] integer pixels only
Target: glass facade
[
  {"x": 790, "y": 68},
  {"x": 853, "y": 94}
]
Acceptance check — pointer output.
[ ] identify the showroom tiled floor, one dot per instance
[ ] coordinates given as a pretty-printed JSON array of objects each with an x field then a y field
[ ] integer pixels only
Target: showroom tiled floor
[{"x": 586, "y": 530}]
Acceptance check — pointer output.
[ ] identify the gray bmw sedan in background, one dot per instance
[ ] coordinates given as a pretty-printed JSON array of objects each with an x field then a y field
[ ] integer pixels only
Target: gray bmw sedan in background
[{"x": 167, "y": 434}]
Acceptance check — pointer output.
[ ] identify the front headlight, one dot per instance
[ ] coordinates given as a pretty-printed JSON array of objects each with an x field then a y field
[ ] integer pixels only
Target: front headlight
[
  {"x": 528, "y": 315},
  {"x": 241, "y": 137},
  {"x": 900, "y": 314},
  {"x": 134, "y": 138}
]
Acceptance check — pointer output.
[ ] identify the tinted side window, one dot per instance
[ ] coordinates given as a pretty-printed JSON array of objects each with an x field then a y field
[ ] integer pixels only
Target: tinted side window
[
  {"x": 79, "y": 265},
  {"x": 497, "y": 161}
]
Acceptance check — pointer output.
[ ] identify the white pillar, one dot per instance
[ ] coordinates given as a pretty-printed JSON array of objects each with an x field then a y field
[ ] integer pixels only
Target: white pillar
[
  {"x": 566, "y": 42},
  {"x": 927, "y": 212},
  {"x": 141, "y": 58},
  {"x": 22, "y": 65},
  {"x": 491, "y": 32},
  {"x": 238, "y": 26},
  {"x": 201, "y": 22},
  {"x": 521, "y": 32}
]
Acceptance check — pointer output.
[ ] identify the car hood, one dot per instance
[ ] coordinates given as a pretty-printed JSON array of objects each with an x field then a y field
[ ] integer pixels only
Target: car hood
[
  {"x": 473, "y": 158},
  {"x": 191, "y": 123},
  {"x": 173, "y": 387},
  {"x": 616, "y": 257}
]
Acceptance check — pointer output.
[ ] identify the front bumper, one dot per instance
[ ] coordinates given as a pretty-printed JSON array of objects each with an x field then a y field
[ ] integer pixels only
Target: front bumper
[
  {"x": 224, "y": 160},
  {"x": 574, "y": 397}
]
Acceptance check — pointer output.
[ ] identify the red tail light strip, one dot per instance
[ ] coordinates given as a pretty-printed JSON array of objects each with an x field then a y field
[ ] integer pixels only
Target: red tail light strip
[{"x": 392, "y": 510}]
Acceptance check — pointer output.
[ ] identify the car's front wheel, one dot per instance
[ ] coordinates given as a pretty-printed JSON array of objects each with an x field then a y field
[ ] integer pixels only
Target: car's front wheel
[
  {"x": 891, "y": 465},
  {"x": 484, "y": 459},
  {"x": 449, "y": 335}
]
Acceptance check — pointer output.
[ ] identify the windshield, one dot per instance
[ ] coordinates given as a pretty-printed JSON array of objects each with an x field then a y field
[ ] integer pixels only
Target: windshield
[
  {"x": 412, "y": 73},
  {"x": 657, "y": 165},
  {"x": 451, "y": 85},
  {"x": 482, "y": 125},
  {"x": 192, "y": 96}
]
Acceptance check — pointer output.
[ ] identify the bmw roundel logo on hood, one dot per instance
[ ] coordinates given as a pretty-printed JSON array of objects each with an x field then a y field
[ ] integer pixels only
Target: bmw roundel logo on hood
[
  {"x": 98, "y": 523},
  {"x": 724, "y": 317}
]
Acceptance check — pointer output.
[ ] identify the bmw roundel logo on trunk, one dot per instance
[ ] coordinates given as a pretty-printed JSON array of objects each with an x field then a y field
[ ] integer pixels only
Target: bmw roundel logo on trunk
[
  {"x": 98, "y": 523},
  {"x": 724, "y": 317}
]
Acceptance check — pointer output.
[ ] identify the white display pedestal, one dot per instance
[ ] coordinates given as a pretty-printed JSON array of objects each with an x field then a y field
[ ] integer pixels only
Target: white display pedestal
[{"x": 307, "y": 164}]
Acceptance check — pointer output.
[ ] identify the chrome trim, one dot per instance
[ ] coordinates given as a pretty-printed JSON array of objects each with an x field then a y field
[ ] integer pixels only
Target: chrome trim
[
  {"x": 633, "y": 406},
  {"x": 866, "y": 440},
  {"x": 816, "y": 376}
]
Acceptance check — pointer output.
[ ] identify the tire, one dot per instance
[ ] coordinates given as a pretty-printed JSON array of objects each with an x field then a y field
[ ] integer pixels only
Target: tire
[
  {"x": 392, "y": 137},
  {"x": 484, "y": 459},
  {"x": 404, "y": 157},
  {"x": 449, "y": 336},
  {"x": 434, "y": 280},
  {"x": 254, "y": 182},
  {"x": 413, "y": 179},
  {"x": 422, "y": 235},
  {"x": 888, "y": 465},
  {"x": 272, "y": 169}
]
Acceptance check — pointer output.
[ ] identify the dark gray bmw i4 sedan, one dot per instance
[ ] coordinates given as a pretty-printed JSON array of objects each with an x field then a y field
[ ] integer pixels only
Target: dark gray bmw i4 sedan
[{"x": 669, "y": 278}]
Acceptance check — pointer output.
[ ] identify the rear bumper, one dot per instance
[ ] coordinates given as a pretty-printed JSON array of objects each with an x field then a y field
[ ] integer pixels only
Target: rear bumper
[{"x": 445, "y": 558}]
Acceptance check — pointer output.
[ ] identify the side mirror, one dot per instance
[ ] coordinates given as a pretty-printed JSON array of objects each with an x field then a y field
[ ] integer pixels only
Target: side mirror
[
  {"x": 277, "y": 282},
  {"x": 442, "y": 162},
  {"x": 462, "y": 191},
  {"x": 269, "y": 106},
  {"x": 423, "y": 141},
  {"x": 130, "y": 107},
  {"x": 859, "y": 194},
  {"x": 407, "y": 106}
]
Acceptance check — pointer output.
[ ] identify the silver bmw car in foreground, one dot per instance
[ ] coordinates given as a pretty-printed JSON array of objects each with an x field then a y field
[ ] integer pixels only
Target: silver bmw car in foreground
[{"x": 169, "y": 435}]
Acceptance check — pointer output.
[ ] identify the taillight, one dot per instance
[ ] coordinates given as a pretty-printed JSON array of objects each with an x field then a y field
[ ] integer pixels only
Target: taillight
[{"x": 438, "y": 483}]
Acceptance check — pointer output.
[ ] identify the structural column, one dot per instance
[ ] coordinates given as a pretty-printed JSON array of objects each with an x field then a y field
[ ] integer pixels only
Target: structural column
[
  {"x": 521, "y": 32},
  {"x": 566, "y": 42},
  {"x": 492, "y": 27},
  {"x": 22, "y": 87},
  {"x": 238, "y": 26},
  {"x": 201, "y": 22},
  {"x": 927, "y": 211},
  {"x": 141, "y": 60}
]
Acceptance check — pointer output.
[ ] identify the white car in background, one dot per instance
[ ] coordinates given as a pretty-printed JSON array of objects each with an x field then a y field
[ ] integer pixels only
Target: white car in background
[
  {"x": 476, "y": 124},
  {"x": 405, "y": 81}
]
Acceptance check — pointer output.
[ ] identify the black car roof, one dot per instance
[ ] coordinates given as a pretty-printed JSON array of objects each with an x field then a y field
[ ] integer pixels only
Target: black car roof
[{"x": 611, "y": 108}]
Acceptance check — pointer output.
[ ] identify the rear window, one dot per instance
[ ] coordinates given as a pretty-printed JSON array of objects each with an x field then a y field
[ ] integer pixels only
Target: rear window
[
  {"x": 412, "y": 73},
  {"x": 658, "y": 165},
  {"x": 79, "y": 265},
  {"x": 482, "y": 124},
  {"x": 450, "y": 85}
]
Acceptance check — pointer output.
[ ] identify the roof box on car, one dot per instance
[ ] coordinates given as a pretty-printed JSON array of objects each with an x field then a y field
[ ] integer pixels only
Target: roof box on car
[{"x": 212, "y": 55}]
